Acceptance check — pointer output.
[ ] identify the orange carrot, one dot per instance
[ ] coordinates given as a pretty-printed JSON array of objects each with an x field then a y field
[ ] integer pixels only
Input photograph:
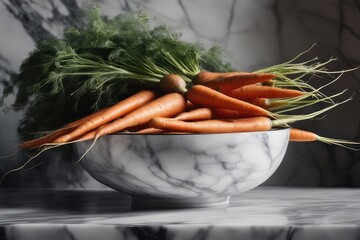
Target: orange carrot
[
  {"x": 46, "y": 139},
  {"x": 168, "y": 105},
  {"x": 213, "y": 126},
  {"x": 298, "y": 135},
  {"x": 86, "y": 118},
  {"x": 59, "y": 132},
  {"x": 221, "y": 113},
  {"x": 269, "y": 83},
  {"x": 90, "y": 135},
  {"x": 172, "y": 83},
  {"x": 149, "y": 130},
  {"x": 195, "y": 115},
  {"x": 258, "y": 91},
  {"x": 205, "y": 76},
  {"x": 227, "y": 84},
  {"x": 264, "y": 103},
  {"x": 118, "y": 110},
  {"x": 190, "y": 106},
  {"x": 207, "y": 97}
]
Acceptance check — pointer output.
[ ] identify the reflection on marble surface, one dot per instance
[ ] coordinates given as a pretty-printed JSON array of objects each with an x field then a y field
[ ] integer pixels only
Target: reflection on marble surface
[
  {"x": 186, "y": 169},
  {"x": 253, "y": 33},
  {"x": 262, "y": 213}
]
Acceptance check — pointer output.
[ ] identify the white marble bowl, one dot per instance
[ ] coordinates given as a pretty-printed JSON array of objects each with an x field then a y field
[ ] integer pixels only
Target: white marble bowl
[{"x": 184, "y": 170}]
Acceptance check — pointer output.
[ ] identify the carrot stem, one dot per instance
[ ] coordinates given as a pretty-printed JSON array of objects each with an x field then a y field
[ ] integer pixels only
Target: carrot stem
[{"x": 283, "y": 120}]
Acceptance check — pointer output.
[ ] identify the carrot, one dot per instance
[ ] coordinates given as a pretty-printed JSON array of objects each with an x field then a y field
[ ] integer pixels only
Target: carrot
[
  {"x": 258, "y": 91},
  {"x": 298, "y": 135},
  {"x": 213, "y": 126},
  {"x": 221, "y": 113},
  {"x": 195, "y": 115},
  {"x": 46, "y": 139},
  {"x": 190, "y": 106},
  {"x": 207, "y": 97},
  {"x": 150, "y": 130},
  {"x": 172, "y": 83},
  {"x": 269, "y": 83},
  {"x": 227, "y": 84},
  {"x": 168, "y": 105},
  {"x": 86, "y": 118},
  {"x": 205, "y": 76},
  {"x": 90, "y": 135},
  {"x": 59, "y": 132},
  {"x": 114, "y": 112},
  {"x": 264, "y": 103}
]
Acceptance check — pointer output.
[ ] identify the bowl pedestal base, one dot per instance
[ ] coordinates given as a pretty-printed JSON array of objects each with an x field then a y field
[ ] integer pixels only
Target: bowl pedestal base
[{"x": 158, "y": 203}]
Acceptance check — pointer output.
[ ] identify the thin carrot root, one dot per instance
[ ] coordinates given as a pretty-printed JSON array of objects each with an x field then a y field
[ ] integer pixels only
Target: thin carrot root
[
  {"x": 12, "y": 153},
  {"x": 25, "y": 164},
  {"x": 48, "y": 138}
]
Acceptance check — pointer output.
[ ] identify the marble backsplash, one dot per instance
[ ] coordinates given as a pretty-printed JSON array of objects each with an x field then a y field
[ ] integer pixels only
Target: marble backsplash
[{"x": 252, "y": 33}]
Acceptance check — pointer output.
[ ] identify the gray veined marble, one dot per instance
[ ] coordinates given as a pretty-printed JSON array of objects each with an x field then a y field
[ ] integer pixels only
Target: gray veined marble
[
  {"x": 262, "y": 213},
  {"x": 188, "y": 170}
]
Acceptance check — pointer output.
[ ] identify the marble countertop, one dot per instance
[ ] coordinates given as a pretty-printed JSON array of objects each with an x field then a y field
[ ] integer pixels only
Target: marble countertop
[{"x": 262, "y": 213}]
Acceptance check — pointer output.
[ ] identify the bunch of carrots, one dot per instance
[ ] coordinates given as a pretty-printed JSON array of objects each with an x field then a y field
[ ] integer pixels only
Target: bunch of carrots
[
  {"x": 216, "y": 103},
  {"x": 176, "y": 94}
]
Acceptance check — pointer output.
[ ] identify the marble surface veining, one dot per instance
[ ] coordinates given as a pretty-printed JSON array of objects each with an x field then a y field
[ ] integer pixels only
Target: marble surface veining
[
  {"x": 186, "y": 165},
  {"x": 261, "y": 213},
  {"x": 253, "y": 34}
]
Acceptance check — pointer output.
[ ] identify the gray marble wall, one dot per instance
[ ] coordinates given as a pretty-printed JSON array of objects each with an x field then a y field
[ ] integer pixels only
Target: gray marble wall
[{"x": 253, "y": 34}]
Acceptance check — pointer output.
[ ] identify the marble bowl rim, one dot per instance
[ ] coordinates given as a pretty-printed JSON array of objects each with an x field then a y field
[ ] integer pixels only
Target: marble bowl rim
[{"x": 196, "y": 134}]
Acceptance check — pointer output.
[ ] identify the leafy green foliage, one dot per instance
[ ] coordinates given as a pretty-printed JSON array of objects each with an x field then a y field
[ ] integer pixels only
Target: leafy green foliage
[{"x": 100, "y": 64}]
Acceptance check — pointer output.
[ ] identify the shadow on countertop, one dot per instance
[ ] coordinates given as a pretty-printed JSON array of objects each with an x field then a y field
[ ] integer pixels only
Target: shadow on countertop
[{"x": 80, "y": 201}]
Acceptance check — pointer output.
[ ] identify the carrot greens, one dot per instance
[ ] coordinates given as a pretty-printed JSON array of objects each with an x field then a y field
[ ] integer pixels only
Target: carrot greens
[{"x": 96, "y": 66}]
